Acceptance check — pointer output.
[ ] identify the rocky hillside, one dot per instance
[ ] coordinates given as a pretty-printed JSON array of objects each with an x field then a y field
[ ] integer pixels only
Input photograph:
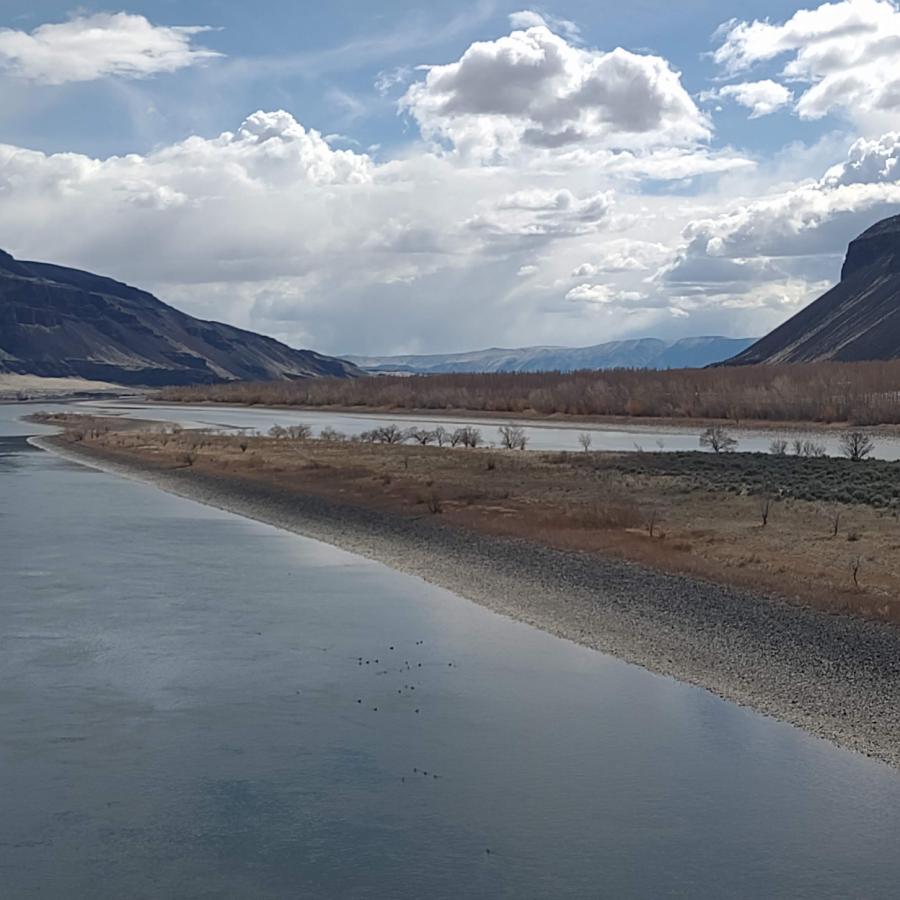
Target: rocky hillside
[
  {"x": 858, "y": 319},
  {"x": 58, "y": 322},
  {"x": 643, "y": 353}
]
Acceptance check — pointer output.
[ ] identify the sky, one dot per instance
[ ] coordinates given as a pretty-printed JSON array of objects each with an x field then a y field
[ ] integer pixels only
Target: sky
[{"x": 400, "y": 177}]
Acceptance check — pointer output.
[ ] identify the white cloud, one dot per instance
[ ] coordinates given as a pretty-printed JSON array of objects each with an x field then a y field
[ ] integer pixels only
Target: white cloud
[
  {"x": 793, "y": 235},
  {"x": 846, "y": 53},
  {"x": 538, "y": 213},
  {"x": 534, "y": 90},
  {"x": 868, "y": 162},
  {"x": 387, "y": 80},
  {"x": 762, "y": 98},
  {"x": 528, "y": 18},
  {"x": 527, "y": 271},
  {"x": 623, "y": 256},
  {"x": 96, "y": 46}
]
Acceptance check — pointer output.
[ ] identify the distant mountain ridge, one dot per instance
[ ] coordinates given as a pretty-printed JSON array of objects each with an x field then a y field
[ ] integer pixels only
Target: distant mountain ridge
[
  {"x": 857, "y": 320},
  {"x": 642, "y": 353},
  {"x": 60, "y": 322}
]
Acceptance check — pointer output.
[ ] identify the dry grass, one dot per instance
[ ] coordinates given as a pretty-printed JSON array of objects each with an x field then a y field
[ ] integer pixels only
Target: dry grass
[{"x": 575, "y": 501}]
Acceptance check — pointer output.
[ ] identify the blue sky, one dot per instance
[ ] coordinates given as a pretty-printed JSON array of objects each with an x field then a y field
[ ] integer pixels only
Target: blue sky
[
  {"x": 536, "y": 187},
  {"x": 320, "y": 62}
]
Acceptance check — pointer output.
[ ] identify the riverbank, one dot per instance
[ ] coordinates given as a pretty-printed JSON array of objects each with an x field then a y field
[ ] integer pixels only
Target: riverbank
[
  {"x": 575, "y": 422},
  {"x": 22, "y": 388},
  {"x": 836, "y": 676}
]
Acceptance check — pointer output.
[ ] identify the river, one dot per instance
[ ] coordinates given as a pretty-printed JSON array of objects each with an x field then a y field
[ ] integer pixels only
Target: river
[
  {"x": 545, "y": 435},
  {"x": 198, "y": 705}
]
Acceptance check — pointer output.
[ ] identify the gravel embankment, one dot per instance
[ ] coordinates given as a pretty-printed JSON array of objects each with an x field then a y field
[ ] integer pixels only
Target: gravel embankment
[{"x": 835, "y": 676}]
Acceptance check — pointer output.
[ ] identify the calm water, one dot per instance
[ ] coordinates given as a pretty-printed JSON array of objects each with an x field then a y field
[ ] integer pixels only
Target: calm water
[
  {"x": 540, "y": 436},
  {"x": 180, "y": 688}
]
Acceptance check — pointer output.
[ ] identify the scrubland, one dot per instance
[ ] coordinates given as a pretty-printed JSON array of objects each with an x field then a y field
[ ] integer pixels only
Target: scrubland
[
  {"x": 856, "y": 393},
  {"x": 818, "y": 531}
]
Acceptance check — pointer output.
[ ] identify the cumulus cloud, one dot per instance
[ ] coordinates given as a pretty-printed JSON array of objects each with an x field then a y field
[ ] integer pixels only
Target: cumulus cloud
[
  {"x": 95, "y": 46},
  {"x": 622, "y": 255},
  {"x": 844, "y": 52},
  {"x": 533, "y": 89},
  {"x": 793, "y": 235},
  {"x": 762, "y": 98},
  {"x": 868, "y": 162}
]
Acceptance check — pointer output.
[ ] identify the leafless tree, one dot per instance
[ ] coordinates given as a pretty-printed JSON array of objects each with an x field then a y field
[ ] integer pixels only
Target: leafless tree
[
  {"x": 471, "y": 436},
  {"x": 765, "y": 504},
  {"x": 331, "y": 434},
  {"x": 512, "y": 437},
  {"x": 808, "y": 448},
  {"x": 855, "y": 564},
  {"x": 441, "y": 435},
  {"x": 422, "y": 436},
  {"x": 585, "y": 439},
  {"x": 390, "y": 434},
  {"x": 778, "y": 447},
  {"x": 717, "y": 438},
  {"x": 856, "y": 445},
  {"x": 278, "y": 432},
  {"x": 299, "y": 432}
]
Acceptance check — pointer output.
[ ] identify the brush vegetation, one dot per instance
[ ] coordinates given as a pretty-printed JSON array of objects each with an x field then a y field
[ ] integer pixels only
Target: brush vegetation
[
  {"x": 858, "y": 393},
  {"x": 818, "y": 530}
]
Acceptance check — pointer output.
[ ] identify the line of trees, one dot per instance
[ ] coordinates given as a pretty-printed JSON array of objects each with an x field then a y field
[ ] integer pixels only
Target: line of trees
[{"x": 856, "y": 393}]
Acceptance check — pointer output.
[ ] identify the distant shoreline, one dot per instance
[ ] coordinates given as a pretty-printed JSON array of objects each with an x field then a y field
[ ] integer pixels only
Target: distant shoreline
[
  {"x": 555, "y": 420},
  {"x": 835, "y": 676}
]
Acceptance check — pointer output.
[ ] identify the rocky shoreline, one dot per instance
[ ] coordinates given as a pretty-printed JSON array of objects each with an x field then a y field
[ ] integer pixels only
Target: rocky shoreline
[{"x": 837, "y": 677}]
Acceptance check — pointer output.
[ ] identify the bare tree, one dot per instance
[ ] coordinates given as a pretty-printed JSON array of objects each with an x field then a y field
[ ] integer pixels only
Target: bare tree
[
  {"x": 299, "y": 432},
  {"x": 765, "y": 504},
  {"x": 855, "y": 563},
  {"x": 331, "y": 434},
  {"x": 512, "y": 437},
  {"x": 856, "y": 445},
  {"x": 585, "y": 439},
  {"x": 390, "y": 434},
  {"x": 778, "y": 447},
  {"x": 278, "y": 432},
  {"x": 471, "y": 436},
  {"x": 441, "y": 435},
  {"x": 717, "y": 438},
  {"x": 808, "y": 448},
  {"x": 422, "y": 436}
]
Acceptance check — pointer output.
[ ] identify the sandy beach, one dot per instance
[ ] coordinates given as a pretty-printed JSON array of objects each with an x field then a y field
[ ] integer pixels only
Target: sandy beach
[{"x": 835, "y": 676}]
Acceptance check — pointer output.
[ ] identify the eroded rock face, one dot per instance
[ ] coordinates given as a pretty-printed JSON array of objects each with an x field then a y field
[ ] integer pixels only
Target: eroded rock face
[
  {"x": 879, "y": 244},
  {"x": 59, "y": 322},
  {"x": 857, "y": 320}
]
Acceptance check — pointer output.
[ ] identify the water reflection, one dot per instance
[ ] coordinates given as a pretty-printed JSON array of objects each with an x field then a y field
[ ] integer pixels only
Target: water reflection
[{"x": 198, "y": 705}]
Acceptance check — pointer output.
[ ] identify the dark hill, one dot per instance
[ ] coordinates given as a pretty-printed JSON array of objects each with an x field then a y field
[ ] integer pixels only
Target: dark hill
[
  {"x": 858, "y": 319},
  {"x": 59, "y": 322}
]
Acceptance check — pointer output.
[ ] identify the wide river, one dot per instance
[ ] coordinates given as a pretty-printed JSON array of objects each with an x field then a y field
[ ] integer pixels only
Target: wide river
[
  {"x": 197, "y": 705},
  {"x": 546, "y": 435}
]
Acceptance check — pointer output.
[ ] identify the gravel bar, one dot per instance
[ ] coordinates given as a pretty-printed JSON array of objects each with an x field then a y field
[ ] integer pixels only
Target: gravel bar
[{"x": 835, "y": 676}]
